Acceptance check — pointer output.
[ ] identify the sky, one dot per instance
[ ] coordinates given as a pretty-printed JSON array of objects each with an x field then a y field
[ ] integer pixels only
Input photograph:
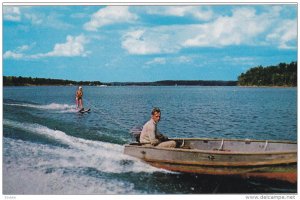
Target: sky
[{"x": 146, "y": 43}]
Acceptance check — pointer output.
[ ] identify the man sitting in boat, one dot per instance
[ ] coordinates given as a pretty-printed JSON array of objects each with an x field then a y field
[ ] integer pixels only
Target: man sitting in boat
[{"x": 150, "y": 135}]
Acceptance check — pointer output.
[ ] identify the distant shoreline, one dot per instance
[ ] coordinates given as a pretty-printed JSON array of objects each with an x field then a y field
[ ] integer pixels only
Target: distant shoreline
[
  {"x": 30, "y": 82},
  {"x": 29, "y": 85}
]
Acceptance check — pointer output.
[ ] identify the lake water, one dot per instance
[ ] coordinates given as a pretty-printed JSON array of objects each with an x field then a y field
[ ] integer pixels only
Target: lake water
[{"x": 49, "y": 148}]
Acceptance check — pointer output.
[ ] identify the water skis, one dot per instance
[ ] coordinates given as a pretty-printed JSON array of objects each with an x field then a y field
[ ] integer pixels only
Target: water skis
[{"x": 83, "y": 110}]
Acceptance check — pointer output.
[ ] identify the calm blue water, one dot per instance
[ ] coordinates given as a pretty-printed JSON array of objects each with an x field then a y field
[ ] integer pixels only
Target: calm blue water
[{"x": 49, "y": 148}]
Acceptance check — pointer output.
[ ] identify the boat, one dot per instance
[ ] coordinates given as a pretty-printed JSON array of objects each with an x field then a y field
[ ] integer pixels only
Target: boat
[{"x": 246, "y": 158}]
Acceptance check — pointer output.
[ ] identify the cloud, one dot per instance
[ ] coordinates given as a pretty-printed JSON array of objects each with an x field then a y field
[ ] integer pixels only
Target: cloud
[
  {"x": 240, "y": 60},
  {"x": 184, "y": 59},
  {"x": 34, "y": 18},
  {"x": 31, "y": 15},
  {"x": 198, "y": 12},
  {"x": 170, "y": 60},
  {"x": 24, "y": 48},
  {"x": 247, "y": 27},
  {"x": 160, "y": 61},
  {"x": 47, "y": 20},
  {"x": 11, "y": 13},
  {"x": 284, "y": 35},
  {"x": 12, "y": 55},
  {"x": 18, "y": 53},
  {"x": 244, "y": 26},
  {"x": 135, "y": 43},
  {"x": 157, "y": 40},
  {"x": 110, "y": 15},
  {"x": 74, "y": 46}
]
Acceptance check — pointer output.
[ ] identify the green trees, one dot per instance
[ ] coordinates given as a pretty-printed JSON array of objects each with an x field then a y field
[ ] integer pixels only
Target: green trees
[
  {"x": 25, "y": 81},
  {"x": 281, "y": 75}
]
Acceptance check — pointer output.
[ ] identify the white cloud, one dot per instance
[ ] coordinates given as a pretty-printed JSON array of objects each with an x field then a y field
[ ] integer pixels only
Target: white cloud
[
  {"x": 240, "y": 60},
  {"x": 23, "y": 48},
  {"x": 26, "y": 13},
  {"x": 198, "y": 12},
  {"x": 163, "y": 39},
  {"x": 184, "y": 59},
  {"x": 52, "y": 20},
  {"x": 11, "y": 13},
  {"x": 74, "y": 46},
  {"x": 34, "y": 18},
  {"x": 110, "y": 15},
  {"x": 18, "y": 53},
  {"x": 12, "y": 55},
  {"x": 170, "y": 60},
  {"x": 134, "y": 43},
  {"x": 245, "y": 26},
  {"x": 160, "y": 61},
  {"x": 285, "y": 35}
]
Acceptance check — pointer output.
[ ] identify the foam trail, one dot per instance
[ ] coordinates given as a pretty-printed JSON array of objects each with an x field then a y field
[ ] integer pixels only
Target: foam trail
[
  {"x": 25, "y": 161},
  {"x": 105, "y": 157},
  {"x": 52, "y": 106}
]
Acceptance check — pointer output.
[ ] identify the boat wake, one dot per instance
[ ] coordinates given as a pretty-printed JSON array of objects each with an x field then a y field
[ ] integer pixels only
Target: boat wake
[
  {"x": 63, "y": 170},
  {"x": 52, "y": 106},
  {"x": 103, "y": 156}
]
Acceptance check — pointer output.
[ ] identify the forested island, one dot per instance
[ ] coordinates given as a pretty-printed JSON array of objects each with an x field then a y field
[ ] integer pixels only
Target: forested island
[{"x": 284, "y": 75}]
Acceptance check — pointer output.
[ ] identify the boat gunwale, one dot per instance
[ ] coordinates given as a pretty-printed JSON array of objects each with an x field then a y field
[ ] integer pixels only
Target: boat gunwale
[
  {"x": 237, "y": 140},
  {"x": 212, "y": 151},
  {"x": 220, "y": 151}
]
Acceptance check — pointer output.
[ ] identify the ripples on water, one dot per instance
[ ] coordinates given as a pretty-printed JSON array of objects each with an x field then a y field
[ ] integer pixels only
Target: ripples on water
[{"x": 72, "y": 153}]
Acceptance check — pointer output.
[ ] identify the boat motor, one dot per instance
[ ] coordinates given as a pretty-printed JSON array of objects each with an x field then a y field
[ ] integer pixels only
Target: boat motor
[{"x": 135, "y": 133}]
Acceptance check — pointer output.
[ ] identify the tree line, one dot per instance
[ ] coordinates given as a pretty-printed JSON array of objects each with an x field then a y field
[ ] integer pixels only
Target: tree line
[
  {"x": 197, "y": 82},
  {"x": 177, "y": 83},
  {"x": 282, "y": 74},
  {"x": 27, "y": 81}
]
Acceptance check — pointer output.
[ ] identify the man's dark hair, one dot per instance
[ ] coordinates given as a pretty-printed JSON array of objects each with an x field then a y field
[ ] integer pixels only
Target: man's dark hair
[{"x": 155, "y": 110}]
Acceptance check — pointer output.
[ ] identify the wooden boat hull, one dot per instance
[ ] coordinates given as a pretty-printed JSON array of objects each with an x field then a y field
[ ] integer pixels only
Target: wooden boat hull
[
  {"x": 280, "y": 172},
  {"x": 280, "y": 165}
]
